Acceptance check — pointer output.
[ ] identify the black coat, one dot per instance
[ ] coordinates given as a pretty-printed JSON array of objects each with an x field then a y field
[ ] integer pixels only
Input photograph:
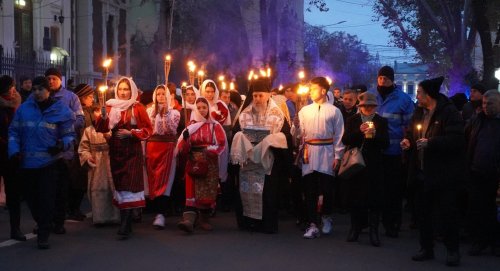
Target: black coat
[
  {"x": 444, "y": 156},
  {"x": 365, "y": 189}
]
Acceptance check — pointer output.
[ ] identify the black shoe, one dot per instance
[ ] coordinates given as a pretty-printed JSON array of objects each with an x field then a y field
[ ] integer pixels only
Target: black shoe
[
  {"x": 353, "y": 235},
  {"x": 423, "y": 255},
  {"x": 452, "y": 258},
  {"x": 43, "y": 244},
  {"x": 477, "y": 249},
  {"x": 17, "y": 235},
  {"x": 59, "y": 229},
  {"x": 35, "y": 230}
]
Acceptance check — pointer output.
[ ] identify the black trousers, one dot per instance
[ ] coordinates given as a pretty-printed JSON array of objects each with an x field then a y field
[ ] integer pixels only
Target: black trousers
[
  {"x": 436, "y": 208},
  {"x": 41, "y": 187},
  {"x": 62, "y": 188},
  {"x": 393, "y": 188},
  {"x": 316, "y": 184},
  {"x": 13, "y": 193},
  {"x": 160, "y": 204},
  {"x": 482, "y": 213}
]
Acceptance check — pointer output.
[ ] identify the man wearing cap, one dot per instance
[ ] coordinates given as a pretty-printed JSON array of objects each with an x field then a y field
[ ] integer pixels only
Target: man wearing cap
[
  {"x": 321, "y": 127},
  {"x": 474, "y": 106},
  {"x": 436, "y": 142},
  {"x": 261, "y": 148},
  {"x": 483, "y": 164},
  {"x": 397, "y": 107},
  {"x": 68, "y": 98}
]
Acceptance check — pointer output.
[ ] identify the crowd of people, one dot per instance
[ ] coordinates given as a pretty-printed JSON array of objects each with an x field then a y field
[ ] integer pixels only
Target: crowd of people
[{"x": 211, "y": 149}]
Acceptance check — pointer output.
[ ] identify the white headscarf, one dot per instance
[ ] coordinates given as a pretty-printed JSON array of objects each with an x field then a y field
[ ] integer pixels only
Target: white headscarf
[
  {"x": 167, "y": 96},
  {"x": 196, "y": 94},
  {"x": 204, "y": 86},
  {"x": 196, "y": 115},
  {"x": 158, "y": 124},
  {"x": 117, "y": 105}
]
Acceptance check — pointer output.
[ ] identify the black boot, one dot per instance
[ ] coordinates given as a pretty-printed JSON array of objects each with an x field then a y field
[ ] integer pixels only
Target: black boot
[
  {"x": 355, "y": 228},
  {"x": 374, "y": 237},
  {"x": 125, "y": 221},
  {"x": 15, "y": 222}
]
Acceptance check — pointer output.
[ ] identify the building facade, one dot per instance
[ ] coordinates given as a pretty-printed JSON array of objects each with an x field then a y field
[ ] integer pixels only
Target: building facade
[{"x": 408, "y": 75}]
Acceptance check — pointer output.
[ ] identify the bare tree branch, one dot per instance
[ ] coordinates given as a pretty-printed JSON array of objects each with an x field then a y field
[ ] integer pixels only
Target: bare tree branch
[{"x": 434, "y": 18}]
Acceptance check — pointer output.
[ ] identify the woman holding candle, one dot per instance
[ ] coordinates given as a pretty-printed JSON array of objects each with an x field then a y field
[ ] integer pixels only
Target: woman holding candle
[
  {"x": 160, "y": 149},
  {"x": 203, "y": 141},
  {"x": 366, "y": 130},
  {"x": 129, "y": 123},
  {"x": 218, "y": 110}
]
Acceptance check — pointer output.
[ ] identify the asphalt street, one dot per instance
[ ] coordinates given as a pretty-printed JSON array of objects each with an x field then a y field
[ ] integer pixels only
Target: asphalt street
[{"x": 85, "y": 247}]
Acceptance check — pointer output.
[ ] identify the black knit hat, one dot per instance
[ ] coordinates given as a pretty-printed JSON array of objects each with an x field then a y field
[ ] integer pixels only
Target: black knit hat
[
  {"x": 83, "y": 90},
  {"x": 261, "y": 84},
  {"x": 6, "y": 82},
  {"x": 432, "y": 86},
  {"x": 53, "y": 71},
  {"x": 41, "y": 81},
  {"x": 479, "y": 87},
  {"x": 387, "y": 72}
]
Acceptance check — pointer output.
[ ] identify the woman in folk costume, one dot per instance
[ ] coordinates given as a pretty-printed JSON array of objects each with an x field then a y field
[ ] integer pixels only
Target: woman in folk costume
[
  {"x": 218, "y": 109},
  {"x": 203, "y": 140},
  {"x": 189, "y": 105},
  {"x": 160, "y": 149},
  {"x": 264, "y": 159},
  {"x": 129, "y": 123},
  {"x": 94, "y": 154}
]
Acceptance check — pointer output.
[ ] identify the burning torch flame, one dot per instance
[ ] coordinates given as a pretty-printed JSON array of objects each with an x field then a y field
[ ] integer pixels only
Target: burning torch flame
[
  {"x": 303, "y": 90},
  {"x": 106, "y": 63},
  {"x": 184, "y": 84},
  {"x": 250, "y": 75},
  {"x": 302, "y": 75},
  {"x": 221, "y": 77},
  {"x": 330, "y": 81},
  {"x": 231, "y": 86},
  {"x": 168, "y": 58},
  {"x": 201, "y": 73}
]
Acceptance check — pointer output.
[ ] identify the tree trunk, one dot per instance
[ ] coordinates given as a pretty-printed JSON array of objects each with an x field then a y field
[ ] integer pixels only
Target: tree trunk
[{"x": 483, "y": 28}]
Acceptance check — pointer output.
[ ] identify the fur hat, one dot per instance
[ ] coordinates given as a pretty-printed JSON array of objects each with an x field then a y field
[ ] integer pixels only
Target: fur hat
[
  {"x": 432, "y": 86},
  {"x": 387, "y": 72},
  {"x": 53, "y": 71},
  {"x": 83, "y": 90}
]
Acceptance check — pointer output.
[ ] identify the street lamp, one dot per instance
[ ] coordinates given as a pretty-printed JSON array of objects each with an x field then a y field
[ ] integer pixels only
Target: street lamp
[{"x": 497, "y": 76}]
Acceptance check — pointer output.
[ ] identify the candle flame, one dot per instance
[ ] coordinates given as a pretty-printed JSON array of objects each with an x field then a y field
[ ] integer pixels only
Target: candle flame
[
  {"x": 250, "y": 75},
  {"x": 303, "y": 90},
  {"x": 190, "y": 63},
  {"x": 168, "y": 58},
  {"x": 330, "y": 81},
  {"x": 255, "y": 77},
  {"x": 184, "y": 84},
  {"x": 302, "y": 75},
  {"x": 280, "y": 87},
  {"x": 223, "y": 84},
  {"x": 262, "y": 73},
  {"x": 106, "y": 63},
  {"x": 103, "y": 88},
  {"x": 419, "y": 126},
  {"x": 192, "y": 68}
]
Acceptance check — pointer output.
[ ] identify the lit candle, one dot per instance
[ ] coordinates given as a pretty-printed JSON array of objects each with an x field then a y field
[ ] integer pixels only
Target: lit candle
[
  {"x": 280, "y": 87},
  {"x": 168, "y": 58},
  {"x": 102, "y": 95},
  {"x": 263, "y": 73},
  {"x": 250, "y": 75},
  {"x": 106, "y": 63},
  {"x": 419, "y": 129},
  {"x": 302, "y": 75},
  {"x": 191, "y": 69},
  {"x": 201, "y": 76}
]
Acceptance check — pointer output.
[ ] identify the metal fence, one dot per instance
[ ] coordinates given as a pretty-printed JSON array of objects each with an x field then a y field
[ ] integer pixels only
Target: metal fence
[{"x": 16, "y": 65}]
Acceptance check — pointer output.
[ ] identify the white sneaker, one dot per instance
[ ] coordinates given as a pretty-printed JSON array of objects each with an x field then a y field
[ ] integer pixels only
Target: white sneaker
[
  {"x": 327, "y": 225},
  {"x": 159, "y": 221},
  {"x": 311, "y": 232}
]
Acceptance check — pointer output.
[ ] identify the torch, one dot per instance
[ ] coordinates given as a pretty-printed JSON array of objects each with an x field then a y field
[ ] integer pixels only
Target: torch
[
  {"x": 191, "y": 69},
  {"x": 183, "y": 94},
  {"x": 105, "y": 64},
  {"x": 168, "y": 62},
  {"x": 201, "y": 76}
]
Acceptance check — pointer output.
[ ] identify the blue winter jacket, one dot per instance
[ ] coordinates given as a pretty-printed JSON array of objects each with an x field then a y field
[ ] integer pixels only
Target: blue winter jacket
[
  {"x": 397, "y": 108},
  {"x": 32, "y": 132}
]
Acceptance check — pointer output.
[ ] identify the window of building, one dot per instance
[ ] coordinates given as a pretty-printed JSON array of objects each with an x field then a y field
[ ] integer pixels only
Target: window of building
[
  {"x": 23, "y": 27},
  {"x": 54, "y": 36},
  {"x": 410, "y": 89}
]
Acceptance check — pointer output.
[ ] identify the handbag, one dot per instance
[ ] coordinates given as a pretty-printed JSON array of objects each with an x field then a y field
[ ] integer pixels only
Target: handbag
[
  {"x": 352, "y": 163},
  {"x": 197, "y": 166}
]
